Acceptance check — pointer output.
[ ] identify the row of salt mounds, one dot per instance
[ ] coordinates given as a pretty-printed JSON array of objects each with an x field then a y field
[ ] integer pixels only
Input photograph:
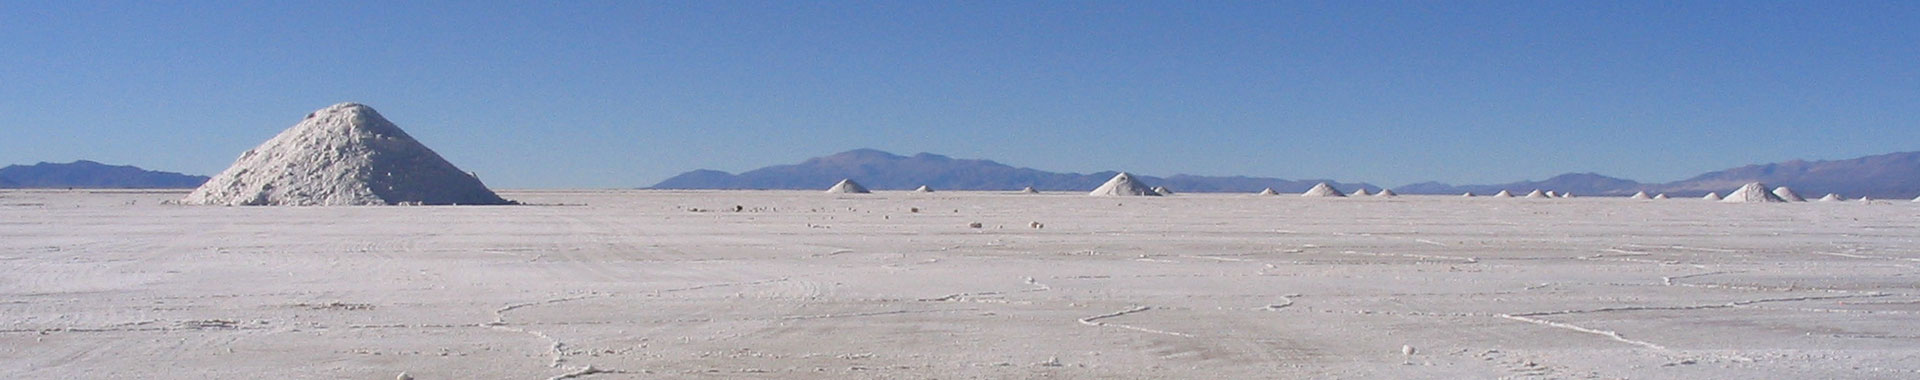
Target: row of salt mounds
[
  {"x": 847, "y": 186},
  {"x": 1323, "y": 190},
  {"x": 1753, "y": 193},
  {"x": 343, "y": 155},
  {"x": 1123, "y": 185}
]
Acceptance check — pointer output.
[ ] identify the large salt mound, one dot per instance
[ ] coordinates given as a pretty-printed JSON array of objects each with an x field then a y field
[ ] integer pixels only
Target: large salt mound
[
  {"x": 1323, "y": 190},
  {"x": 343, "y": 155},
  {"x": 1787, "y": 194},
  {"x": 1123, "y": 185},
  {"x": 847, "y": 186},
  {"x": 1752, "y": 193}
]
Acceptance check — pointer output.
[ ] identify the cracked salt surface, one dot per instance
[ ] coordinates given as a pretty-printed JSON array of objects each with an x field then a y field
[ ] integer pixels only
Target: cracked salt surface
[{"x": 623, "y": 284}]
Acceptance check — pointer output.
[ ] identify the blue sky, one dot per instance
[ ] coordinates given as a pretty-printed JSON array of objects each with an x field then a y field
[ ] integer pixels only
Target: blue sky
[{"x": 626, "y": 93}]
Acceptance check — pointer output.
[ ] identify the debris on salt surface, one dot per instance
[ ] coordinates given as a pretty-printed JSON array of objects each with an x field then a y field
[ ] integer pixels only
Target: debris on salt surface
[{"x": 343, "y": 155}]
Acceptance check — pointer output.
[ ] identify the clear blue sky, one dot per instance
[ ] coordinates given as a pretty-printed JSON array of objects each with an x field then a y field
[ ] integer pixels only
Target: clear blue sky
[{"x": 626, "y": 93}]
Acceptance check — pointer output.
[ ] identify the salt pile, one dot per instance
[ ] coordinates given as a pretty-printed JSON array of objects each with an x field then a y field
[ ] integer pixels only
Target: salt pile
[
  {"x": 1269, "y": 191},
  {"x": 343, "y": 155},
  {"x": 1641, "y": 195},
  {"x": 1787, "y": 194},
  {"x": 1503, "y": 194},
  {"x": 1711, "y": 196},
  {"x": 1029, "y": 190},
  {"x": 923, "y": 189},
  {"x": 1831, "y": 197},
  {"x": 1752, "y": 193},
  {"x": 847, "y": 186},
  {"x": 1386, "y": 193},
  {"x": 1162, "y": 190},
  {"x": 1323, "y": 190},
  {"x": 1538, "y": 194},
  {"x": 1467, "y": 195},
  {"x": 1661, "y": 196},
  {"x": 1361, "y": 193},
  {"x": 1123, "y": 185}
]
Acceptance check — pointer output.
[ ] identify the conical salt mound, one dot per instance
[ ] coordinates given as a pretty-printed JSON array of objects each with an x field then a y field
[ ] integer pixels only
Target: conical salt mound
[
  {"x": 1466, "y": 195},
  {"x": 1752, "y": 193},
  {"x": 1323, "y": 190},
  {"x": 1269, "y": 191},
  {"x": 1641, "y": 195},
  {"x": 1551, "y": 194},
  {"x": 923, "y": 189},
  {"x": 343, "y": 155},
  {"x": 1123, "y": 185},
  {"x": 847, "y": 186},
  {"x": 1831, "y": 197},
  {"x": 1787, "y": 194},
  {"x": 1162, "y": 190},
  {"x": 1538, "y": 194},
  {"x": 1386, "y": 193},
  {"x": 1361, "y": 193},
  {"x": 1661, "y": 196},
  {"x": 1712, "y": 197},
  {"x": 1503, "y": 194},
  {"x": 1566, "y": 195},
  {"x": 1029, "y": 190}
]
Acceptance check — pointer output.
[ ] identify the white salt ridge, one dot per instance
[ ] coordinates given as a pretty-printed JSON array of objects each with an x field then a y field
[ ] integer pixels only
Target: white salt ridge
[
  {"x": 848, "y": 186},
  {"x": 1753, "y": 193},
  {"x": 342, "y": 155},
  {"x": 1323, "y": 190},
  {"x": 1787, "y": 194},
  {"x": 1123, "y": 185}
]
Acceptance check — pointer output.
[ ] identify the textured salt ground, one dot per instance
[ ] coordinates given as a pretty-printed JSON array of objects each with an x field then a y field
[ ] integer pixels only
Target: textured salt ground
[{"x": 642, "y": 285}]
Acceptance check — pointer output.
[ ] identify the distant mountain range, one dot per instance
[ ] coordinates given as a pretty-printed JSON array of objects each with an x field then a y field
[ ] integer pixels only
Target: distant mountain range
[
  {"x": 93, "y": 175},
  {"x": 1895, "y": 175},
  {"x": 886, "y": 171}
]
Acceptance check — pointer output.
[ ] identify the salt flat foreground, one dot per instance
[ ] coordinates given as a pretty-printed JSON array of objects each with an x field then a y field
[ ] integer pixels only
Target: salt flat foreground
[{"x": 797, "y": 285}]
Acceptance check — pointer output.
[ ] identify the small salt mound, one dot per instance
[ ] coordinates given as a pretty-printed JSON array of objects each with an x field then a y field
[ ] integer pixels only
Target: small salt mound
[
  {"x": 1466, "y": 195},
  {"x": 1787, "y": 194},
  {"x": 1538, "y": 194},
  {"x": 1566, "y": 195},
  {"x": 1162, "y": 190},
  {"x": 1641, "y": 195},
  {"x": 1029, "y": 190},
  {"x": 847, "y": 186},
  {"x": 1269, "y": 191},
  {"x": 343, "y": 155},
  {"x": 1711, "y": 196},
  {"x": 1551, "y": 194},
  {"x": 1661, "y": 196},
  {"x": 1503, "y": 194},
  {"x": 1123, "y": 185},
  {"x": 1386, "y": 193},
  {"x": 1831, "y": 197},
  {"x": 1361, "y": 193},
  {"x": 1752, "y": 193},
  {"x": 1323, "y": 190},
  {"x": 923, "y": 189}
]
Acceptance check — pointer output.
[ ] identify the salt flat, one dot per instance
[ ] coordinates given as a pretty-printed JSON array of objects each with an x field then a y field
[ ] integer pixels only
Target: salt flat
[{"x": 804, "y": 285}]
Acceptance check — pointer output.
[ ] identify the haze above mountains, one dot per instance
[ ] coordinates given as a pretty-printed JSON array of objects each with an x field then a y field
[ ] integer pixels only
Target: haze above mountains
[{"x": 1895, "y": 175}]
